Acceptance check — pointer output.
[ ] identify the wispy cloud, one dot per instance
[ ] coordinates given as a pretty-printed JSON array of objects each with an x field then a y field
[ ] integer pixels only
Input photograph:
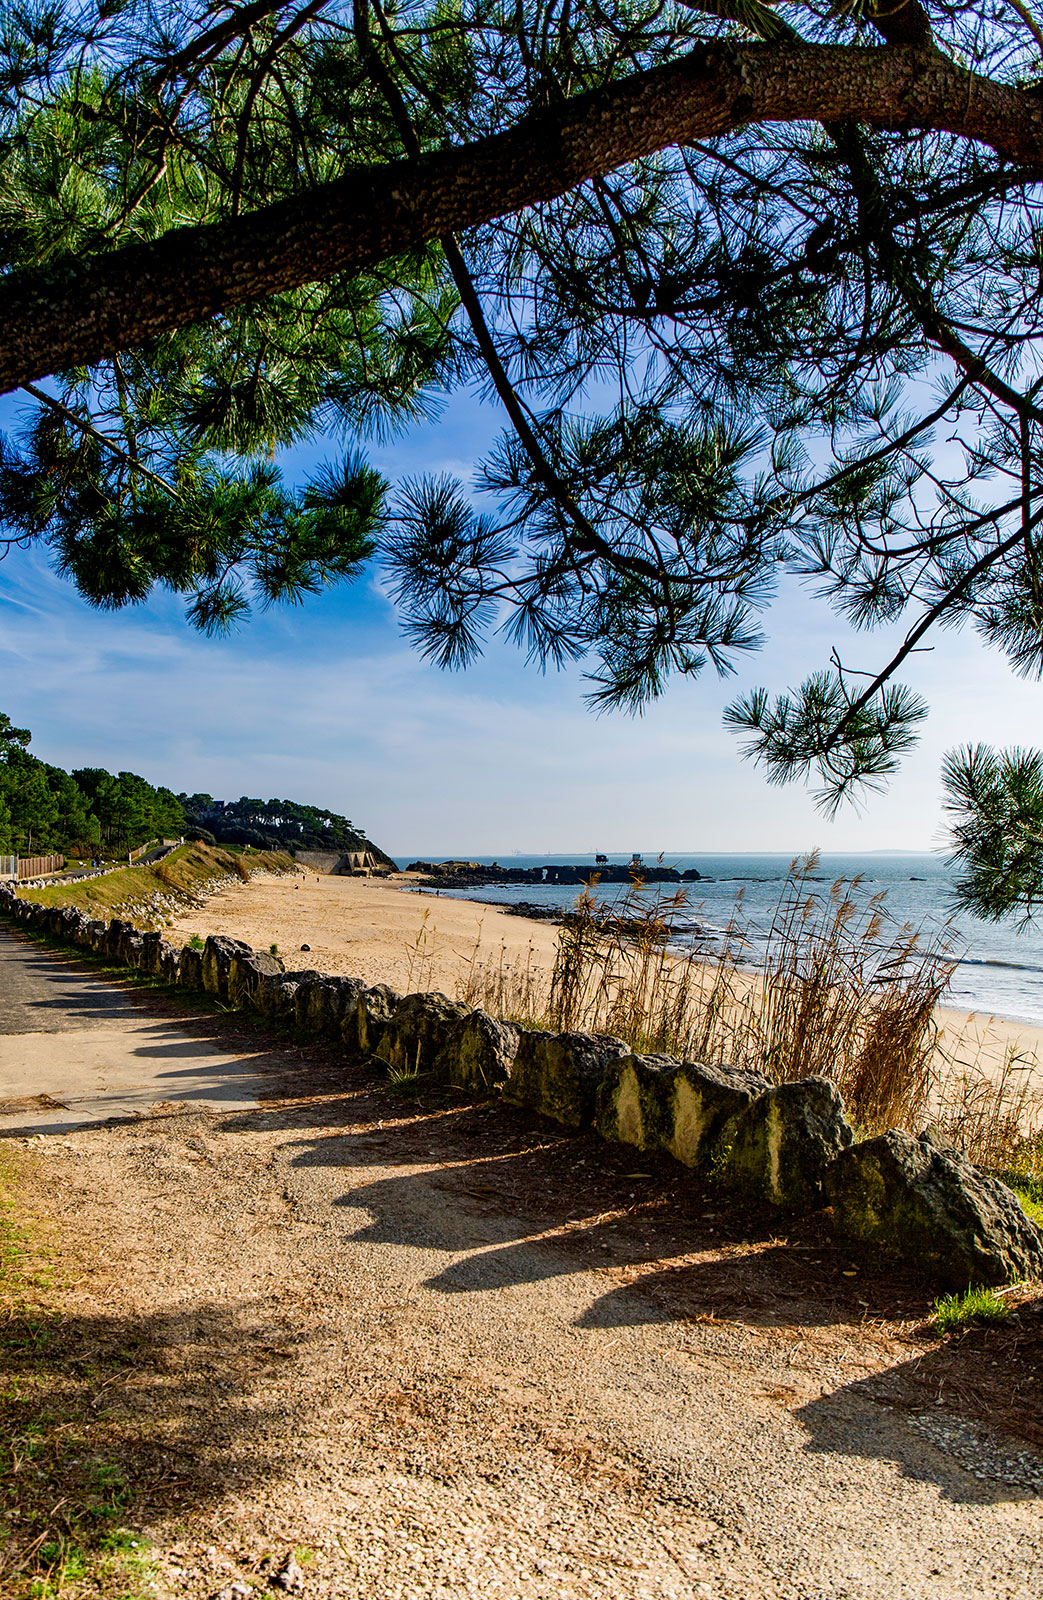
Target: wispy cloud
[{"x": 328, "y": 704}]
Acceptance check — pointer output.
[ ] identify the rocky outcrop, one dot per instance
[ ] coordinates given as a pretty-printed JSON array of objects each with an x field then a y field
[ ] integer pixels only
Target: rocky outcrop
[
  {"x": 245, "y": 972},
  {"x": 928, "y": 1204},
  {"x": 169, "y": 963},
  {"x": 275, "y": 996},
  {"x": 152, "y": 944},
  {"x": 479, "y": 1052},
  {"x": 116, "y": 933},
  {"x": 218, "y": 954},
  {"x": 190, "y": 969},
  {"x": 321, "y": 1004},
  {"x": 374, "y": 1008},
  {"x": 779, "y": 1148},
  {"x": 559, "y": 1074}
]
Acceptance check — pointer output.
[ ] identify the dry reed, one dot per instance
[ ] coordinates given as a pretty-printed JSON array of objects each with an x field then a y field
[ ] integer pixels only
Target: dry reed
[{"x": 842, "y": 990}]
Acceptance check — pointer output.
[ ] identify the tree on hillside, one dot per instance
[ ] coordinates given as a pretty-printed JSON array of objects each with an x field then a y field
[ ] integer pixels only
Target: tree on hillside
[
  {"x": 33, "y": 807},
  {"x": 44, "y": 809},
  {"x": 75, "y": 828},
  {"x": 12, "y": 738},
  {"x": 276, "y": 825},
  {"x": 755, "y": 287}
]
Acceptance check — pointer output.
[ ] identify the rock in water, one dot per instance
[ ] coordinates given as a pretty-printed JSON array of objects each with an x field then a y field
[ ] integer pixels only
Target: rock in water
[
  {"x": 780, "y": 1147},
  {"x": 935, "y": 1208}
]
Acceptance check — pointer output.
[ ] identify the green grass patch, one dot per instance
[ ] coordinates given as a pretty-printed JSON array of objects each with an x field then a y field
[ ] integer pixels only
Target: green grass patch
[
  {"x": 973, "y": 1308},
  {"x": 186, "y": 872},
  {"x": 408, "y": 1082},
  {"x": 1030, "y": 1193},
  {"x": 1024, "y": 1174}
]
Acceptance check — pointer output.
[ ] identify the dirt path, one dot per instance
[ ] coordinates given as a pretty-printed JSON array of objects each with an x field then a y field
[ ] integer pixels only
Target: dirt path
[{"x": 442, "y": 1350}]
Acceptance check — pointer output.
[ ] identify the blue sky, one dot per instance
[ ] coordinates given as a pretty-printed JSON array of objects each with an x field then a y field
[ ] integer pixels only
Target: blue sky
[{"x": 328, "y": 704}]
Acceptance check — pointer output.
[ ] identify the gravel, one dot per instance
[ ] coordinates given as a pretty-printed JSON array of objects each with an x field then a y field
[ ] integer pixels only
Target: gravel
[{"x": 352, "y": 1356}]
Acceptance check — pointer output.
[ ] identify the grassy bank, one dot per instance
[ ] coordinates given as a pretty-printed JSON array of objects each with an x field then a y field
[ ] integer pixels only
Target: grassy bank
[{"x": 185, "y": 874}]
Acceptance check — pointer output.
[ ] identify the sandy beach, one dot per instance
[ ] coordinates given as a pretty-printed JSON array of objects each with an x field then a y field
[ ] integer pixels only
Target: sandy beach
[{"x": 384, "y": 930}]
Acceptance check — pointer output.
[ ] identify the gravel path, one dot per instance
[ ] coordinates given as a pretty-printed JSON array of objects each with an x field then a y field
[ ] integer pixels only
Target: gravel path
[{"x": 352, "y": 1342}]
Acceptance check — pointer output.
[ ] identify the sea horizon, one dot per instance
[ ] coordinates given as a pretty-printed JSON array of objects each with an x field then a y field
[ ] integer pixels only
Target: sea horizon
[{"x": 999, "y": 970}]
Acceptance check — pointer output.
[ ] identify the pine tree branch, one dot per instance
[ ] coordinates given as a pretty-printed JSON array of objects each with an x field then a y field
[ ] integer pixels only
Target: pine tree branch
[
  {"x": 584, "y": 537},
  {"x": 210, "y": 43},
  {"x": 110, "y": 445},
  {"x": 84, "y": 309},
  {"x": 926, "y": 622}
]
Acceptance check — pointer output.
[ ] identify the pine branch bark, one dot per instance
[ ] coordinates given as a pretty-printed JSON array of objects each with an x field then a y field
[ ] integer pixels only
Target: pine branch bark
[{"x": 86, "y": 308}]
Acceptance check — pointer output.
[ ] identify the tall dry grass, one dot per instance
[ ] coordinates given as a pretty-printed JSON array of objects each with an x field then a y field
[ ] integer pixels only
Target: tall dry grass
[{"x": 841, "y": 989}]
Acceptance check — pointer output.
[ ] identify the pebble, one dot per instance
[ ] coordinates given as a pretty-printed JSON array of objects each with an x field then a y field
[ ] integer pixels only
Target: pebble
[
  {"x": 290, "y": 1578},
  {"x": 984, "y": 1457}
]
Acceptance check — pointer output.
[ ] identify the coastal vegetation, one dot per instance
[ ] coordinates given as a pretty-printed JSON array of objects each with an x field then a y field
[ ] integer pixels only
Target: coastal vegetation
[
  {"x": 710, "y": 261},
  {"x": 274, "y": 825},
  {"x": 841, "y": 990},
  {"x": 44, "y": 809},
  {"x": 189, "y": 872}
]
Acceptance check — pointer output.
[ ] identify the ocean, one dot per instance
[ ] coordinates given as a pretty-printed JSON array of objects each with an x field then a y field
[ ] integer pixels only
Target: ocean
[{"x": 999, "y": 972}]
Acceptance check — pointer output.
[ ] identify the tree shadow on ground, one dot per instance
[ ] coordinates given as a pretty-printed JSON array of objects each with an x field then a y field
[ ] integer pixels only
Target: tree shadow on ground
[
  {"x": 113, "y": 1420},
  {"x": 534, "y": 1204},
  {"x": 515, "y": 1199},
  {"x": 40, "y": 982},
  {"x": 972, "y": 1401}
]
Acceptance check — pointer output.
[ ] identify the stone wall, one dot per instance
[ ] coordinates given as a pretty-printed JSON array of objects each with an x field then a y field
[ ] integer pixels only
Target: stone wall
[
  {"x": 323, "y": 861},
  {"x": 787, "y": 1146}
]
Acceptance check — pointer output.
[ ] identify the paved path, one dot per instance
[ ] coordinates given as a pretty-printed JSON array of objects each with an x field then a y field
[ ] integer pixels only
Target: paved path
[{"x": 75, "y": 1048}]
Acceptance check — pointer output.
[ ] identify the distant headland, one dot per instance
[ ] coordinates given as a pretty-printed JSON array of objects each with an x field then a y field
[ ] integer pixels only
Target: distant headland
[{"x": 473, "y": 874}]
